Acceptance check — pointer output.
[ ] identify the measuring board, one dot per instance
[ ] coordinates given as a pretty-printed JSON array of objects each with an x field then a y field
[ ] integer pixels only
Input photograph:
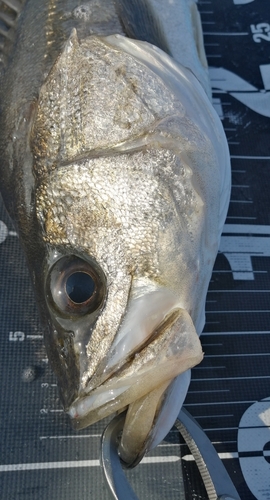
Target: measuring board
[{"x": 229, "y": 395}]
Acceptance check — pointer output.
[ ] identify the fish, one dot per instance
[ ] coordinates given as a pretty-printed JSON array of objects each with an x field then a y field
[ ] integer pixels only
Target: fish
[{"x": 115, "y": 171}]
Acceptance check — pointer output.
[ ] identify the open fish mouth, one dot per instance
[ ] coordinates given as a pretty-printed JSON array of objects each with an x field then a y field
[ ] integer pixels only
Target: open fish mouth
[{"x": 140, "y": 368}]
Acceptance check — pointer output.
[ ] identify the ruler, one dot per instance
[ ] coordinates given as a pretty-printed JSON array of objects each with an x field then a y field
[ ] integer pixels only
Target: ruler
[{"x": 230, "y": 391}]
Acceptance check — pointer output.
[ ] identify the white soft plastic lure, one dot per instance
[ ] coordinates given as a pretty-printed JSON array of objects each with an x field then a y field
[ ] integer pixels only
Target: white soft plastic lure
[{"x": 115, "y": 169}]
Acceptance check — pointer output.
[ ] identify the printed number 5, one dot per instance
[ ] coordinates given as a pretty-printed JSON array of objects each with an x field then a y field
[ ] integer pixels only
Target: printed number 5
[
  {"x": 260, "y": 32},
  {"x": 15, "y": 336}
]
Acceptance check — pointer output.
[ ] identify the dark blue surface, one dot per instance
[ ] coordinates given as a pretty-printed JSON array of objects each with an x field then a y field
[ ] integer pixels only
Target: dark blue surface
[{"x": 234, "y": 377}]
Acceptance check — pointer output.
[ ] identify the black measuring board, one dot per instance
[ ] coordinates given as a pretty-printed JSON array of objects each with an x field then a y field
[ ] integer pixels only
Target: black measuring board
[{"x": 229, "y": 395}]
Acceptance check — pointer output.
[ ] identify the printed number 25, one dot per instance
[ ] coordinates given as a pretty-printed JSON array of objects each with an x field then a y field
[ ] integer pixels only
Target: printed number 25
[{"x": 260, "y": 32}]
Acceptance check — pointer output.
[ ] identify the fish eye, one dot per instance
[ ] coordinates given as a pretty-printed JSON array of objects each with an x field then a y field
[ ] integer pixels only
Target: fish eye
[
  {"x": 80, "y": 287},
  {"x": 75, "y": 286}
]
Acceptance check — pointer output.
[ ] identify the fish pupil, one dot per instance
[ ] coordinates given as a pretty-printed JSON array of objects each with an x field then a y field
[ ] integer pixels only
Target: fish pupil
[{"x": 80, "y": 287}]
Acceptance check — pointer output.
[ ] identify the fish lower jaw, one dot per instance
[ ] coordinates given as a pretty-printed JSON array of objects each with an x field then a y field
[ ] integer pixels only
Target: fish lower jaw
[{"x": 83, "y": 407}]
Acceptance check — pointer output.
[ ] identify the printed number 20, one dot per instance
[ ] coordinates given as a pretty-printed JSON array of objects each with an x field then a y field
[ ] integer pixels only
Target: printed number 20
[{"x": 260, "y": 32}]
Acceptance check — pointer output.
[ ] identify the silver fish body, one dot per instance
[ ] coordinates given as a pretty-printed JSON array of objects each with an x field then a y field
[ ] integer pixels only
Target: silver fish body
[{"x": 115, "y": 169}]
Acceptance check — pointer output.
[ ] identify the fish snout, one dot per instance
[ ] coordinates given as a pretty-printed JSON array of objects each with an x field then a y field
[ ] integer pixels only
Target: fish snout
[{"x": 63, "y": 359}]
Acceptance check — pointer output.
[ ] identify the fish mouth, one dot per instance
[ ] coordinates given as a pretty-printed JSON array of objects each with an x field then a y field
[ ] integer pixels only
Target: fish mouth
[
  {"x": 136, "y": 370},
  {"x": 112, "y": 391}
]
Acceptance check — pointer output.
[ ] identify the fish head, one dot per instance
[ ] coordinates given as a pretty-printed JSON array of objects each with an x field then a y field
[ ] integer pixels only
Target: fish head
[
  {"x": 127, "y": 165},
  {"x": 112, "y": 283}
]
